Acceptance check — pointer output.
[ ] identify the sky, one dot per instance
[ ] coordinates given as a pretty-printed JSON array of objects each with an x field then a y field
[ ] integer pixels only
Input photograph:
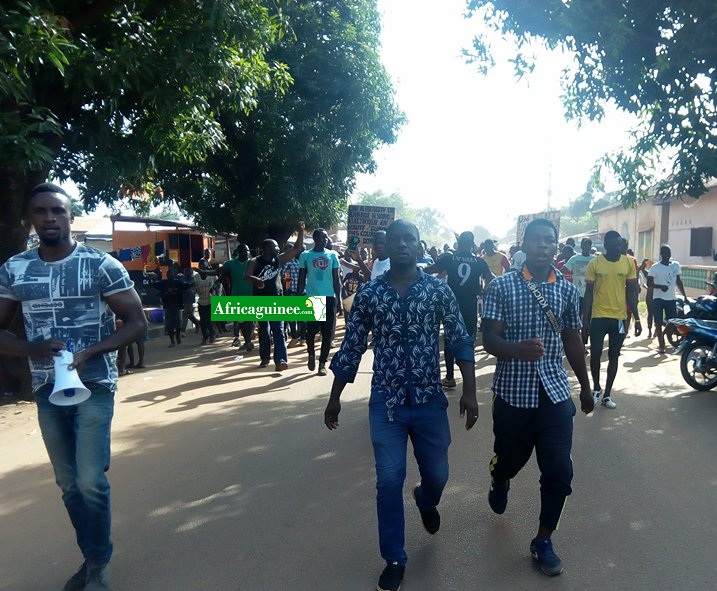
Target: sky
[{"x": 480, "y": 149}]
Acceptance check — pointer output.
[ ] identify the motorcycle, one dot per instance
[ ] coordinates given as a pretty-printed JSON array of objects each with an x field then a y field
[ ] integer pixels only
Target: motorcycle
[
  {"x": 703, "y": 307},
  {"x": 698, "y": 351}
]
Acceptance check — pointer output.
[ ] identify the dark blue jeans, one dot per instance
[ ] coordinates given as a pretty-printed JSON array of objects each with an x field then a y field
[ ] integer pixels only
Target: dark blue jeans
[
  {"x": 427, "y": 426},
  {"x": 277, "y": 332},
  {"x": 77, "y": 439},
  {"x": 548, "y": 429}
]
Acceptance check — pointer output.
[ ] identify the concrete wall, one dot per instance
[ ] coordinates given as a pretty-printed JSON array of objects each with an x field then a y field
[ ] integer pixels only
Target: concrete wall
[{"x": 687, "y": 214}]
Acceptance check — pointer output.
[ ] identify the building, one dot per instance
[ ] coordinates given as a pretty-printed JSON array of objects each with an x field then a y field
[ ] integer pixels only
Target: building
[{"x": 686, "y": 224}]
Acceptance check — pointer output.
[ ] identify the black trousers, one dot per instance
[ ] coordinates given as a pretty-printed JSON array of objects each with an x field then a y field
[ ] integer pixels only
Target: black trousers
[
  {"x": 327, "y": 331},
  {"x": 548, "y": 429}
]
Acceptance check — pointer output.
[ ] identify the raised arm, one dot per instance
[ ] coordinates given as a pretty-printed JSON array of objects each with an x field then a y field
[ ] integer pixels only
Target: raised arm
[{"x": 285, "y": 257}]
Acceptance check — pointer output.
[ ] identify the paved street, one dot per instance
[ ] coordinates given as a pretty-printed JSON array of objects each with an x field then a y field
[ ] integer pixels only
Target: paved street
[{"x": 225, "y": 478}]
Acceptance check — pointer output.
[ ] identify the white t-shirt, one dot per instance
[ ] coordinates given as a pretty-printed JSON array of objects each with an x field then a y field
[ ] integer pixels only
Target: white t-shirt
[
  {"x": 518, "y": 260},
  {"x": 380, "y": 267},
  {"x": 665, "y": 275}
]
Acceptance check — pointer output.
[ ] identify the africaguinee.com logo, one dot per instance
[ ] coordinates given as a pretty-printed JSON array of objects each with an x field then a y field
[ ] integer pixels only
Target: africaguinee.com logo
[{"x": 263, "y": 308}]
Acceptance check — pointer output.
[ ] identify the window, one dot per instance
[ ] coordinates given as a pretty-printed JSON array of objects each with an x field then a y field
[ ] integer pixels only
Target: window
[
  {"x": 645, "y": 245},
  {"x": 701, "y": 242}
]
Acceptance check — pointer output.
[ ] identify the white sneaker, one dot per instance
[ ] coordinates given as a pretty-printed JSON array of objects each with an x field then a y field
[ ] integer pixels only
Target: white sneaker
[
  {"x": 596, "y": 396},
  {"x": 607, "y": 402}
]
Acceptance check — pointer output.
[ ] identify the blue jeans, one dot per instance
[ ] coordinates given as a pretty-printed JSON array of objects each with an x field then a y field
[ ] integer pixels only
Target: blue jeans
[
  {"x": 77, "y": 439},
  {"x": 427, "y": 426},
  {"x": 277, "y": 331}
]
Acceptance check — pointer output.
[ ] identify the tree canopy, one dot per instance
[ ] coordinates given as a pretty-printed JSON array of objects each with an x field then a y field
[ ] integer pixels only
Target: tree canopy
[
  {"x": 654, "y": 59},
  {"x": 295, "y": 156},
  {"x": 240, "y": 111},
  {"x": 97, "y": 93}
]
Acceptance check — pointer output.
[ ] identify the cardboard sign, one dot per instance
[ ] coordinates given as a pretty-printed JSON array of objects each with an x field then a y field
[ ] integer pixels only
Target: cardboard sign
[
  {"x": 364, "y": 220},
  {"x": 524, "y": 220}
]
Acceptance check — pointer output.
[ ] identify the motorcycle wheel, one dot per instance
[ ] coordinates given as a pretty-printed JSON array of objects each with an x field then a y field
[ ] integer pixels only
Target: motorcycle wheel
[
  {"x": 673, "y": 337},
  {"x": 696, "y": 368}
]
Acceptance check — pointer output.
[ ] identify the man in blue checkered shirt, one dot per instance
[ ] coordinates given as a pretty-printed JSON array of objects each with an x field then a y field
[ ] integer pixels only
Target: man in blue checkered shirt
[{"x": 532, "y": 406}]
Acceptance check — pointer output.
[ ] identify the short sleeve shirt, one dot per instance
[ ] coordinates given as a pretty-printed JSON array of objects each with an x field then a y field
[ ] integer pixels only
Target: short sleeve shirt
[
  {"x": 319, "y": 266},
  {"x": 665, "y": 275},
  {"x": 464, "y": 275},
  {"x": 65, "y": 300},
  {"x": 237, "y": 269},
  {"x": 578, "y": 265},
  {"x": 508, "y": 300},
  {"x": 609, "y": 280}
]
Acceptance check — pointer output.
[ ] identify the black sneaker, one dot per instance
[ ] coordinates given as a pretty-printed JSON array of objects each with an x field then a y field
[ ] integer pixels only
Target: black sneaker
[
  {"x": 97, "y": 578},
  {"x": 498, "y": 497},
  {"x": 77, "y": 581},
  {"x": 322, "y": 369},
  {"x": 391, "y": 577},
  {"x": 541, "y": 549},
  {"x": 312, "y": 362},
  {"x": 431, "y": 519},
  {"x": 264, "y": 363}
]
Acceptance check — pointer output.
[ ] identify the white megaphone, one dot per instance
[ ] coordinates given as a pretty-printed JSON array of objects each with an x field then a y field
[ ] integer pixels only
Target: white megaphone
[{"x": 68, "y": 389}]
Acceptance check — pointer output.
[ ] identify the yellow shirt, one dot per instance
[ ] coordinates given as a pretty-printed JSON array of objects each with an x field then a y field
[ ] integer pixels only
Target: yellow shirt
[
  {"x": 609, "y": 280},
  {"x": 498, "y": 263}
]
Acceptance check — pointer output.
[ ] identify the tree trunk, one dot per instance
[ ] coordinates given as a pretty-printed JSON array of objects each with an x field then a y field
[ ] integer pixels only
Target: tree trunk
[{"x": 14, "y": 372}]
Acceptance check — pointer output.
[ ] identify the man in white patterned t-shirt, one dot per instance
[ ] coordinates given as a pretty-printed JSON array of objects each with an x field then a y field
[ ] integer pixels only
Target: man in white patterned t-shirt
[{"x": 70, "y": 295}]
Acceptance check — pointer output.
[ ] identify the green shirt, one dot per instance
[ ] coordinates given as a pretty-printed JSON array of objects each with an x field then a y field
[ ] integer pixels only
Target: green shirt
[{"x": 240, "y": 286}]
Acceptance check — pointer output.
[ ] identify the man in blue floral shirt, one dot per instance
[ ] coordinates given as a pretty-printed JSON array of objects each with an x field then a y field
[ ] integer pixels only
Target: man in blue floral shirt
[{"x": 404, "y": 309}]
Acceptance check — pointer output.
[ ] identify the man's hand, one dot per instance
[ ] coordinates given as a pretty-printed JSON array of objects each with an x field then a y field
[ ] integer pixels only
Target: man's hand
[
  {"x": 638, "y": 327},
  {"x": 78, "y": 361},
  {"x": 530, "y": 350},
  {"x": 331, "y": 414},
  {"x": 469, "y": 408},
  {"x": 47, "y": 349},
  {"x": 301, "y": 225},
  {"x": 587, "y": 402}
]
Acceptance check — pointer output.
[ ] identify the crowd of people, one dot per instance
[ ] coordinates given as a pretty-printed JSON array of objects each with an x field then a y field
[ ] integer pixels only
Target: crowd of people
[{"x": 543, "y": 303}]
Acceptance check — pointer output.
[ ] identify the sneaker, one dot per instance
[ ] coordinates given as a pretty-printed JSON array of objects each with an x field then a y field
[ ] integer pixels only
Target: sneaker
[
  {"x": 172, "y": 345},
  {"x": 431, "y": 519},
  {"x": 179, "y": 340},
  {"x": 541, "y": 549},
  {"x": 608, "y": 402},
  {"x": 204, "y": 341},
  {"x": 312, "y": 362},
  {"x": 97, "y": 578},
  {"x": 236, "y": 342},
  {"x": 498, "y": 497},
  {"x": 264, "y": 363},
  {"x": 77, "y": 581},
  {"x": 322, "y": 369},
  {"x": 391, "y": 577},
  {"x": 596, "y": 396},
  {"x": 212, "y": 339},
  {"x": 449, "y": 383},
  {"x": 281, "y": 366}
]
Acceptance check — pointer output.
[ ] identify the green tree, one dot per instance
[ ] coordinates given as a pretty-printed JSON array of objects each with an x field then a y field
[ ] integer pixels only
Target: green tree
[
  {"x": 99, "y": 92},
  {"x": 653, "y": 59},
  {"x": 295, "y": 156}
]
